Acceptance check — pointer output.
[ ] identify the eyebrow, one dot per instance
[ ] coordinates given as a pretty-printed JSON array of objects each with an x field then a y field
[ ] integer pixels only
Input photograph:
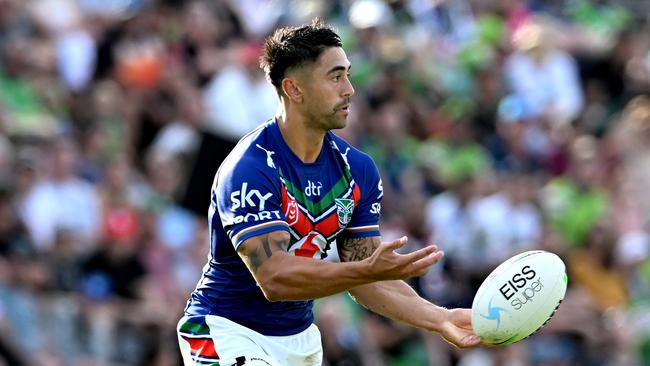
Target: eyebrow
[{"x": 339, "y": 68}]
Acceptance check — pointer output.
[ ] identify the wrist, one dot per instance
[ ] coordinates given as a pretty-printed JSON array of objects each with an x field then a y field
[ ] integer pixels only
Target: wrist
[
  {"x": 365, "y": 271},
  {"x": 362, "y": 271},
  {"x": 439, "y": 315}
]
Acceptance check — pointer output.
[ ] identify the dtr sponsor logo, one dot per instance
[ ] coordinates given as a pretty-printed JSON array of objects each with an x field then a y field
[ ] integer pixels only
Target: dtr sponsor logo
[{"x": 313, "y": 189}]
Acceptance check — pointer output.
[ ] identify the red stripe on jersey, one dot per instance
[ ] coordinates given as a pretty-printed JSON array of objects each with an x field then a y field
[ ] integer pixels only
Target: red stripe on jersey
[
  {"x": 307, "y": 249},
  {"x": 303, "y": 226},
  {"x": 356, "y": 195},
  {"x": 295, "y": 218},
  {"x": 202, "y": 347},
  {"x": 329, "y": 225},
  {"x": 285, "y": 196}
]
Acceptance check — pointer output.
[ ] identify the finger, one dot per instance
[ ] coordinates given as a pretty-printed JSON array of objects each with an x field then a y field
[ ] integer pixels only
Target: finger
[
  {"x": 429, "y": 260},
  {"x": 420, "y": 254},
  {"x": 422, "y": 266},
  {"x": 471, "y": 340},
  {"x": 396, "y": 244},
  {"x": 462, "y": 338}
]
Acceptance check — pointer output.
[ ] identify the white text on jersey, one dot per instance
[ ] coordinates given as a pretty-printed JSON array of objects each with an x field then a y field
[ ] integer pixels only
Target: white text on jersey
[
  {"x": 244, "y": 197},
  {"x": 312, "y": 189},
  {"x": 255, "y": 217}
]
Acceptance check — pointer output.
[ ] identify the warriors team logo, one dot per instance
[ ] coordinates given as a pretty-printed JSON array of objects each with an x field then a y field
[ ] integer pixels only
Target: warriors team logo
[{"x": 344, "y": 207}]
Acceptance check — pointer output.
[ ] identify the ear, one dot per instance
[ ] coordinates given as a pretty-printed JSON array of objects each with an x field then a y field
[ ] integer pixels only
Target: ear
[{"x": 292, "y": 90}]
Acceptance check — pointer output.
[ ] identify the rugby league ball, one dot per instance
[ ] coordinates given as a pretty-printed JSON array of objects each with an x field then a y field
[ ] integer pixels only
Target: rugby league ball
[{"x": 519, "y": 297}]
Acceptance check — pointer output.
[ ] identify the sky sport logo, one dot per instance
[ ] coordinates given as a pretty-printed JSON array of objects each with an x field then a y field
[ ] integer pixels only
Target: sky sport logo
[{"x": 248, "y": 198}]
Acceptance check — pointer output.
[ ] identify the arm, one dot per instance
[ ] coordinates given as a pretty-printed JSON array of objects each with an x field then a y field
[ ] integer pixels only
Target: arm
[
  {"x": 392, "y": 299},
  {"x": 396, "y": 300},
  {"x": 282, "y": 276}
]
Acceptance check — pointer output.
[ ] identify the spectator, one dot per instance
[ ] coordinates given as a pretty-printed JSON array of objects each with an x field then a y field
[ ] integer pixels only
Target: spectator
[
  {"x": 230, "y": 95},
  {"x": 544, "y": 76},
  {"x": 56, "y": 201}
]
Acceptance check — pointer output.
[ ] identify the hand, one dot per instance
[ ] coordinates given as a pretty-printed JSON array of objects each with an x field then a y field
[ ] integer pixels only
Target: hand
[
  {"x": 456, "y": 328},
  {"x": 386, "y": 264}
]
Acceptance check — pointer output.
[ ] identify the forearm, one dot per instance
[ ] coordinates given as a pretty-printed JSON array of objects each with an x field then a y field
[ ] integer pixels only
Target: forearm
[
  {"x": 283, "y": 276},
  {"x": 396, "y": 300},
  {"x": 287, "y": 277}
]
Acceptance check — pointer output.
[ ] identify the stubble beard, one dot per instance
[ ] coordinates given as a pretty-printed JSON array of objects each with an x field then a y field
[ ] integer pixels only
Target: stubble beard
[
  {"x": 339, "y": 120},
  {"x": 336, "y": 121},
  {"x": 330, "y": 121}
]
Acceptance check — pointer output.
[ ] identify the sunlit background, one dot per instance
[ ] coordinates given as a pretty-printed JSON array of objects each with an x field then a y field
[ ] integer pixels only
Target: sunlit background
[{"x": 498, "y": 127}]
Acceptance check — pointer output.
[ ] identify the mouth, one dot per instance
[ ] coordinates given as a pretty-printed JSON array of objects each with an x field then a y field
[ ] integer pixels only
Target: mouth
[{"x": 345, "y": 108}]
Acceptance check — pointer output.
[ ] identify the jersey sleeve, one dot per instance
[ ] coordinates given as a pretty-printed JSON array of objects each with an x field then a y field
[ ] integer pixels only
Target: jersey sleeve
[
  {"x": 365, "y": 217},
  {"x": 249, "y": 200}
]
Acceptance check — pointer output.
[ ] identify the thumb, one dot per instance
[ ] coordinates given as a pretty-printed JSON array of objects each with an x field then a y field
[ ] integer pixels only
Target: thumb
[
  {"x": 461, "y": 338},
  {"x": 398, "y": 243},
  {"x": 471, "y": 340}
]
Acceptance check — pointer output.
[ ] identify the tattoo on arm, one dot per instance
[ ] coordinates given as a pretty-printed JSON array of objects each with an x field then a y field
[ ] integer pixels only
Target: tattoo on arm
[
  {"x": 356, "y": 249},
  {"x": 255, "y": 260},
  {"x": 256, "y": 253},
  {"x": 267, "y": 247}
]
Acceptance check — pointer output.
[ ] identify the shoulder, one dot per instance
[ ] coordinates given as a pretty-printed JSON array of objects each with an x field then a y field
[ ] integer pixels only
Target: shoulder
[
  {"x": 251, "y": 161},
  {"x": 251, "y": 157},
  {"x": 362, "y": 167},
  {"x": 355, "y": 157}
]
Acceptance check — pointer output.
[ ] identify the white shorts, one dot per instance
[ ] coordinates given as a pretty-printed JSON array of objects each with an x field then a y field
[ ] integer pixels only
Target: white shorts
[{"x": 216, "y": 341}]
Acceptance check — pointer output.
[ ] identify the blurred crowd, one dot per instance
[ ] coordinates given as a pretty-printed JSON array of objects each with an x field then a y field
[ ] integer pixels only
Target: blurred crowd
[{"x": 498, "y": 126}]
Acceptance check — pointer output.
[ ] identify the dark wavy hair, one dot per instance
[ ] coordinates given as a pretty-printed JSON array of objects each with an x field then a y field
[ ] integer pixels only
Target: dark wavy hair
[{"x": 291, "y": 47}]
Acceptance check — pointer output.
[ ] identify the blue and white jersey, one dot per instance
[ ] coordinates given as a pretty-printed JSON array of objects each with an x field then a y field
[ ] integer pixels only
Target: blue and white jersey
[{"x": 262, "y": 186}]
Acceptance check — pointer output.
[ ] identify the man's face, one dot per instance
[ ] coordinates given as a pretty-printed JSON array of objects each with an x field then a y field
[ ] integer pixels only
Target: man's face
[{"x": 327, "y": 89}]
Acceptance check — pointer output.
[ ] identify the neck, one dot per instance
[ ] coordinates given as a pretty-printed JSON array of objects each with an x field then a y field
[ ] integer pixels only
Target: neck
[{"x": 305, "y": 141}]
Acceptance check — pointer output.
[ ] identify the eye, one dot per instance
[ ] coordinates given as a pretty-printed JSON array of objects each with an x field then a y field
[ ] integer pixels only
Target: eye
[{"x": 340, "y": 76}]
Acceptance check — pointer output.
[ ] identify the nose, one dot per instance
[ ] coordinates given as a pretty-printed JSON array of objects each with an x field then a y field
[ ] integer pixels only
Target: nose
[{"x": 348, "y": 89}]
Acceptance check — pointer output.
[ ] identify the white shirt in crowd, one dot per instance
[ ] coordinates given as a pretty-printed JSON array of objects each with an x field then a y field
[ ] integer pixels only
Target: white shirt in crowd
[
  {"x": 552, "y": 84},
  {"x": 72, "y": 204},
  {"x": 486, "y": 231},
  {"x": 236, "y": 103}
]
